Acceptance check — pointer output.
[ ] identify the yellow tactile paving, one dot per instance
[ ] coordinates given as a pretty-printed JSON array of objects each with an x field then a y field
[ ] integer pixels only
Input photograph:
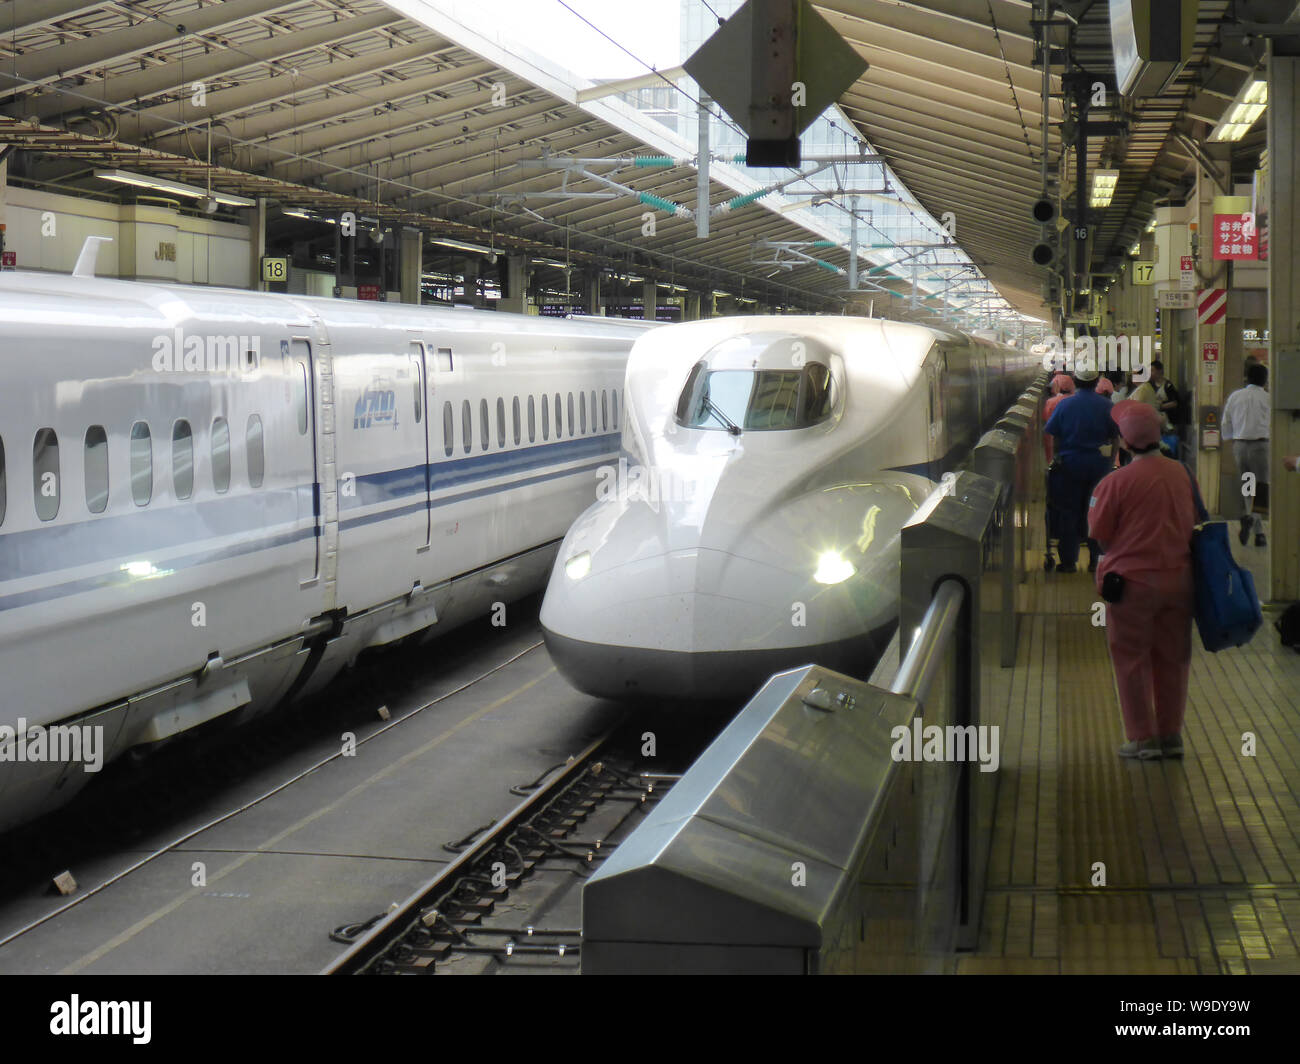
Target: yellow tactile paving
[{"x": 1201, "y": 856}]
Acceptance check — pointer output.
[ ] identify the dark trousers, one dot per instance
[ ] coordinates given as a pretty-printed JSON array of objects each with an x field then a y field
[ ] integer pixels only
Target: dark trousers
[{"x": 1074, "y": 483}]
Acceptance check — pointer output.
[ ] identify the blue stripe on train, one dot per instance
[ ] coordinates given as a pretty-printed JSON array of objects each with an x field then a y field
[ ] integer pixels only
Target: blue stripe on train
[{"x": 58, "y": 547}]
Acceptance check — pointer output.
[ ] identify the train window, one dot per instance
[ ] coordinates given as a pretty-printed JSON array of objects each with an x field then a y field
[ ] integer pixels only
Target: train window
[
  {"x": 593, "y": 411},
  {"x": 448, "y": 430},
  {"x": 582, "y": 409},
  {"x": 444, "y": 360},
  {"x": 300, "y": 395},
  {"x": 546, "y": 419},
  {"x": 220, "y": 455},
  {"x": 501, "y": 421},
  {"x": 417, "y": 385},
  {"x": 755, "y": 399},
  {"x": 141, "y": 464},
  {"x": 45, "y": 474},
  {"x": 466, "y": 426},
  {"x": 515, "y": 418},
  {"x": 4, "y": 484},
  {"x": 532, "y": 420},
  {"x": 182, "y": 459},
  {"x": 604, "y": 410},
  {"x": 485, "y": 429},
  {"x": 559, "y": 417},
  {"x": 96, "y": 469},
  {"x": 570, "y": 414},
  {"x": 256, "y": 456},
  {"x": 614, "y": 403}
]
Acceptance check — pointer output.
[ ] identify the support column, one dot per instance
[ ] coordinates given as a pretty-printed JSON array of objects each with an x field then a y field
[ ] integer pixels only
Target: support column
[
  {"x": 650, "y": 301},
  {"x": 1284, "y": 313},
  {"x": 691, "y": 306},
  {"x": 1211, "y": 465},
  {"x": 410, "y": 264},
  {"x": 4, "y": 189},
  {"x": 256, "y": 244},
  {"x": 473, "y": 291},
  {"x": 708, "y": 305},
  {"x": 516, "y": 277},
  {"x": 591, "y": 303}
]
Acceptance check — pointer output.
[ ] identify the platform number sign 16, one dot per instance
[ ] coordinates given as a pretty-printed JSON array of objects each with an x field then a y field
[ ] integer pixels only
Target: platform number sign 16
[
  {"x": 274, "y": 269},
  {"x": 1080, "y": 232}
]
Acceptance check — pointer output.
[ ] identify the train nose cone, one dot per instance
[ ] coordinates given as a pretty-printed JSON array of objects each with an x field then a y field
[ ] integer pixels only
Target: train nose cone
[{"x": 697, "y": 624}]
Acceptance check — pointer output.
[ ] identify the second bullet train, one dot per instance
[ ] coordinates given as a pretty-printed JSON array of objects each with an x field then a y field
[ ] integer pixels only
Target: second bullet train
[
  {"x": 753, "y": 522},
  {"x": 213, "y": 500}
]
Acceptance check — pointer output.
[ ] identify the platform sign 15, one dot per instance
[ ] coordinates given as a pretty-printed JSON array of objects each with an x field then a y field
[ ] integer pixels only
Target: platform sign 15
[
  {"x": 274, "y": 269},
  {"x": 1144, "y": 273}
]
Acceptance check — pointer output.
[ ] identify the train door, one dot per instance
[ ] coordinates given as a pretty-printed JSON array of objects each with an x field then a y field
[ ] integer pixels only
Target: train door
[
  {"x": 302, "y": 385},
  {"x": 420, "y": 384},
  {"x": 934, "y": 433}
]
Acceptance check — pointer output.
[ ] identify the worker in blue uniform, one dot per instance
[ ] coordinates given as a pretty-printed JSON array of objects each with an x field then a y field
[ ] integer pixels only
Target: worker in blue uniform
[{"x": 1084, "y": 433}]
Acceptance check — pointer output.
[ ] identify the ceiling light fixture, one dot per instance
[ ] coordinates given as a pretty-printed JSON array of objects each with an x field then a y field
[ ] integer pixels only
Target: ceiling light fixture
[
  {"x": 1243, "y": 112},
  {"x": 1103, "y": 187},
  {"x": 162, "y": 184}
]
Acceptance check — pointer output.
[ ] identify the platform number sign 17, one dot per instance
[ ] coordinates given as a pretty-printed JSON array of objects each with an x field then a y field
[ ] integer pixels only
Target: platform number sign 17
[
  {"x": 1144, "y": 272},
  {"x": 275, "y": 269}
]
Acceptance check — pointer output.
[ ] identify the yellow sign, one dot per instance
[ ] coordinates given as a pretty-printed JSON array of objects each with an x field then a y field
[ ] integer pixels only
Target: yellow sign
[
  {"x": 274, "y": 269},
  {"x": 1144, "y": 273},
  {"x": 1095, "y": 321}
]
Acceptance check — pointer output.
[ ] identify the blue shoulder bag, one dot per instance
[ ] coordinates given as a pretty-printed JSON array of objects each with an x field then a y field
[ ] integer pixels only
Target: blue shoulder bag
[{"x": 1227, "y": 608}]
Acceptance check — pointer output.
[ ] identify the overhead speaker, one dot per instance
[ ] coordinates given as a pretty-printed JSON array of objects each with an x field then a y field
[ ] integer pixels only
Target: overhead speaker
[{"x": 1044, "y": 211}]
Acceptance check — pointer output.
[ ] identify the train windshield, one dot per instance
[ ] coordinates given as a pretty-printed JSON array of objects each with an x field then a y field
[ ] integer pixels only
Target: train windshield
[{"x": 739, "y": 399}]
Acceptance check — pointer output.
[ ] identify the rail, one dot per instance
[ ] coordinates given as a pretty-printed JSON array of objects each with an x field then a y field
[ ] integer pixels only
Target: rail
[{"x": 932, "y": 642}]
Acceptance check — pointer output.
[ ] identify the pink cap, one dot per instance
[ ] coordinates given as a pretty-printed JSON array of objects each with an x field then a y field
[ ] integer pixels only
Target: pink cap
[
  {"x": 1138, "y": 422},
  {"x": 1062, "y": 384}
]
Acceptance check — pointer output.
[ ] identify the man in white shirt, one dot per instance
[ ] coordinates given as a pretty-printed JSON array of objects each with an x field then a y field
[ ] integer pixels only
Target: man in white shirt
[{"x": 1245, "y": 422}]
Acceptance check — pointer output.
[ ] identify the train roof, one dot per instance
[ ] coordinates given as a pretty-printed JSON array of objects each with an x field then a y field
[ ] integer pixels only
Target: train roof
[{"x": 160, "y": 303}]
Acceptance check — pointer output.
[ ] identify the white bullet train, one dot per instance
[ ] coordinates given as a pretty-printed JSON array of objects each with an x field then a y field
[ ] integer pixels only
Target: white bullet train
[
  {"x": 753, "y": 524},
  {"x": 212, "y": 500}
]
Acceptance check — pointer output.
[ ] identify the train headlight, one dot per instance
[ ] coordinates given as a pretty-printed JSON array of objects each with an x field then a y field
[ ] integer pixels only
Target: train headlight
[
  {"x": 578, "y": 566},
  {"x": 832, "y": 568}
]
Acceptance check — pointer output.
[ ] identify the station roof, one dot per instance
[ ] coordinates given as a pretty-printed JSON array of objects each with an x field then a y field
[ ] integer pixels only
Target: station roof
[{"x": 389, "y": 109}]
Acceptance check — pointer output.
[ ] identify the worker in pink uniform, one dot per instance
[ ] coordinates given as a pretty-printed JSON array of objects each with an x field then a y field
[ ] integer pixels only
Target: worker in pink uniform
[
  {"x": 1062, "y": 386},
  {"x": 1143, "y": 515}
]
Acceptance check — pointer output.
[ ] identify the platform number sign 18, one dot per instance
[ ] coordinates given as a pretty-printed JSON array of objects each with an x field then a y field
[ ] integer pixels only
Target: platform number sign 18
[{"x": 274, "y": 269}]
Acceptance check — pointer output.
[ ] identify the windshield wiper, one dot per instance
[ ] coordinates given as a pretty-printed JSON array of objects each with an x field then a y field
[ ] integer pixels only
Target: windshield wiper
[{"x": 732, "y": 427}]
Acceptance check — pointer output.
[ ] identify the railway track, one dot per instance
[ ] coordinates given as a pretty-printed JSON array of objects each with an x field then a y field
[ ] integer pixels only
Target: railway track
[{"x": 567, "y": 822}]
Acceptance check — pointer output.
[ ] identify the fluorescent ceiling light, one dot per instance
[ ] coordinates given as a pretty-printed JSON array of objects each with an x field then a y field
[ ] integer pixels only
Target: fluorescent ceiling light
[
  {"x": 1151, "y": 225},
  {"x": 1103, "y": 187},
  {"x": 460, "y": 245},
  {"x": 162, "y": 184},
  {"x": 1243, "y": 112},
  {"x": 294, "y": 212}
]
